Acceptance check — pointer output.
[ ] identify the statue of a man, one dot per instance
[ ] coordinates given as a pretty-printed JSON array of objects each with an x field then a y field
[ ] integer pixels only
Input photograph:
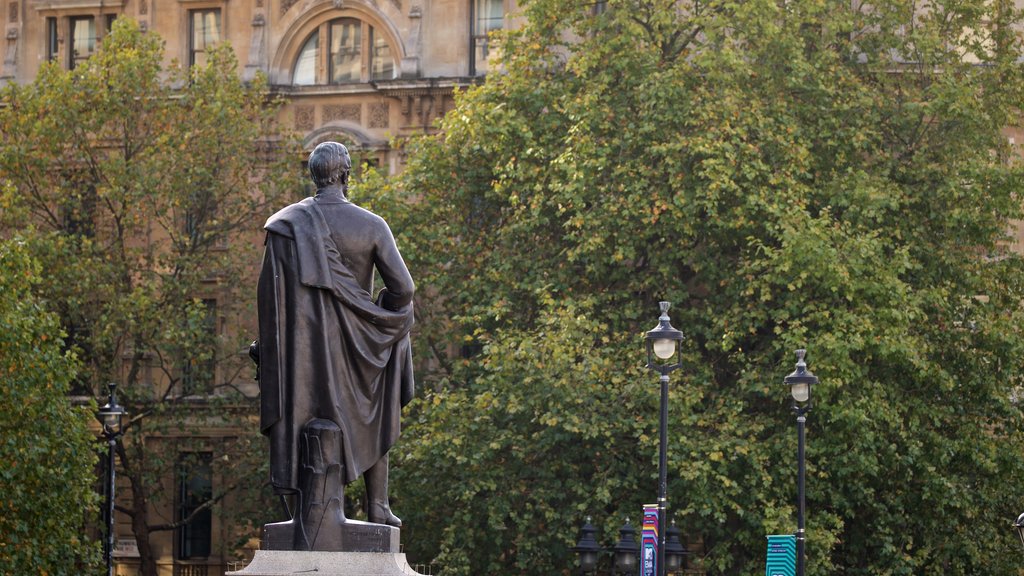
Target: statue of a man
[{"x": 329, "y": 350}]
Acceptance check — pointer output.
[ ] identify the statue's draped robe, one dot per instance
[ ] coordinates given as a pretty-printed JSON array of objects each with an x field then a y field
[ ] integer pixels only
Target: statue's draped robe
[{"x": 326, "y": 349}]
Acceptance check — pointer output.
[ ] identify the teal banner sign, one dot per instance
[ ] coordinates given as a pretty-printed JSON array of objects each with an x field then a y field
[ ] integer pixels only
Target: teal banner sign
[{"x": 781, "y": 556}]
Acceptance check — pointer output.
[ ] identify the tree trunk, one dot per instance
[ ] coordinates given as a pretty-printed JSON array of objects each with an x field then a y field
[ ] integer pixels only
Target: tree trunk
[
  {"x": 141, "y": 530},
  {"x": 140, "y": 505}
]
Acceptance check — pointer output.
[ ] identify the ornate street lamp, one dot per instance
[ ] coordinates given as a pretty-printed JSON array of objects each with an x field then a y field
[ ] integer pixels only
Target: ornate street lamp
[
  {"x": 663, "y": 356},
  {"x": 110, "y": 416},
  {"x": 675, "y": 552},
  {"x": 587, "y": 548},
  {"x": 800, "y": 382},
  {"x": 626, "y": 550}
]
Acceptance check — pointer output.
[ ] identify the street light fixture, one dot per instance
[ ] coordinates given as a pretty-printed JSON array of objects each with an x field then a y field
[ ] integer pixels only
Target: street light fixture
[
  {"x": 626, "y": 551},
  {"x": 587, "y": 548},
  {"x": 663, "y": 356},
  {"x": 675, "y": 552},
  {"x": 800, "y": 382},
  {"x": 110, "y": 416}
]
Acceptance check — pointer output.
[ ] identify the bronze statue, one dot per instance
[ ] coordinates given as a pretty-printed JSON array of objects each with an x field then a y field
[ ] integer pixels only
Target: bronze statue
[{"x": 335, "y": 362}]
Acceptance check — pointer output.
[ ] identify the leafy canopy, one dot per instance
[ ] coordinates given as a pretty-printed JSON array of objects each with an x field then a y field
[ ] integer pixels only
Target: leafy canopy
[
  {"x": 801, "y": 174},
  {"x": 46, "y": 449}
]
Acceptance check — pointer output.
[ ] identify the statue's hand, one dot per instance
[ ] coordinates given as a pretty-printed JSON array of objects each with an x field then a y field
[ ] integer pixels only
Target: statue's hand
[{"x": 254, "y": 351}]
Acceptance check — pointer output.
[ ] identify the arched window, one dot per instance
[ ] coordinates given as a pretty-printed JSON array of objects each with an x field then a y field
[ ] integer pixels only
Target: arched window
[
  {"x": 306, "y": 63},
  {"x": 343, "y": 51}
]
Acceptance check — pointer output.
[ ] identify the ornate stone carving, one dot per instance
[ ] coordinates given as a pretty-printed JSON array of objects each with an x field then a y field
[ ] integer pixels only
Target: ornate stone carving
[
  {"x": 12, "y": 14},
  {"x": 143, "y": 7},
  {"x": 257, "y": 52},
  {"x": 304, "y": 117},
  {"x": 380, "y": 113},
  {"x": 10, "y": 67},
  {"x": 286, "y": 5},
  {"x": 349, "y": 112}
]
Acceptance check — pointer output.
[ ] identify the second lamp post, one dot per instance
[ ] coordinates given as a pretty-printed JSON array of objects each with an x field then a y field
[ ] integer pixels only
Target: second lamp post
[
  {"x": 800, "y": 382},
  {"x": 110, "y": 416},
  {"x": 663, "y": 356}
]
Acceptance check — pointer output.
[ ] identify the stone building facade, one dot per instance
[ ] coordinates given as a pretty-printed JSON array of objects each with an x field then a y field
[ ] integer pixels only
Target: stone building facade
[{"x": 359, "y": 71}]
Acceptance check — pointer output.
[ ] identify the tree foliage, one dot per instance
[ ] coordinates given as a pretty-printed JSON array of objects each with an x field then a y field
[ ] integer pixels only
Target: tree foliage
[
  {"x": 140, "y": 188},
  {"x": 46, "y": 479},
  {"x": 799, "y": 174}
]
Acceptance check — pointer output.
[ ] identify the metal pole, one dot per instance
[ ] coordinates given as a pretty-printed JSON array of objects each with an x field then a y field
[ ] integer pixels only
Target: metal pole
[
  {"x": 109, "y": 547},
  {"x": 662, "y": 475},
  {"x": 801, "y": 469}
]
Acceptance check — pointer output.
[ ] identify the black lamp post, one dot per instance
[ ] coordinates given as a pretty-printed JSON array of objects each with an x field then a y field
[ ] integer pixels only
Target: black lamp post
[
  {"x": 800, "y": 382},
  {"x": 110, "y": 416},
  {"x": 663, "y": 356}
]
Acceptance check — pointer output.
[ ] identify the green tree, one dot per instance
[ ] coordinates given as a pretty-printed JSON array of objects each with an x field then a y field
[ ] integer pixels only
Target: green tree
[
  {"x": 48, "y": 453},
  {"x": 799, "y": 174},
  {"x": 140, "y": 188}
]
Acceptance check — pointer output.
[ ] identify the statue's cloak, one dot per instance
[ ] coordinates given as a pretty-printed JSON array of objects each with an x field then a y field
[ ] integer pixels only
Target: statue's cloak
[{"x": 326, "y": 349}]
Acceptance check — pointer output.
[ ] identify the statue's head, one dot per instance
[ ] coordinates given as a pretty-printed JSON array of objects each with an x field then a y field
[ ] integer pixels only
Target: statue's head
[{"x": 329, "y": 164}]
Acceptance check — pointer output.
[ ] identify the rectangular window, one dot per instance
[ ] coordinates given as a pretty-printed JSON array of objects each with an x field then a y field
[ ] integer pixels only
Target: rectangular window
[
  {"x": 488, "y": 15},
  {"x": 52, "y": 39},
  {"x": 346, "y": 48},
  {"x": 83, "y": 39},
  {"x": 382, "y": 65},
  {"x": 200, "y": 367},
  {"x": 204, "y": 33},
  {"x": 195, "y": 488}
]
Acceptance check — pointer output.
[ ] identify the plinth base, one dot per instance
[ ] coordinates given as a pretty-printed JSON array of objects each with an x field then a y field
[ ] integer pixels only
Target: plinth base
[
  {"x": 344, "y": 536},
  {"x": 287, "y": 563}
]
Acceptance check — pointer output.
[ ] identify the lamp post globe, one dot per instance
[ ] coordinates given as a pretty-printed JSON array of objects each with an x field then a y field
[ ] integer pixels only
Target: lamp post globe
[
  {"x": 800, "y": 382},
  {"x": 111, "y": 414},
  {"x": 663, "y": 343}
]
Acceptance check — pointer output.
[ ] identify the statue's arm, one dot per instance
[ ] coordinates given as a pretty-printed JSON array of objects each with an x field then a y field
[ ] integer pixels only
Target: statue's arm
[{"x": 398, "y": 284}]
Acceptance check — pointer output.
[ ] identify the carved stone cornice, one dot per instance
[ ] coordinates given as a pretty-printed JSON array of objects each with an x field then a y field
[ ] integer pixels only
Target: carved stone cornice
[{"x": 42, "y": 5}]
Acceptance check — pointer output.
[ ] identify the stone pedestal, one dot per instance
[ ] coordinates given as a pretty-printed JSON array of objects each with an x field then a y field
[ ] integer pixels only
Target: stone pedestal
[
  {"x": 287, "y": 563},
  {"x": 341, "y": 534}
]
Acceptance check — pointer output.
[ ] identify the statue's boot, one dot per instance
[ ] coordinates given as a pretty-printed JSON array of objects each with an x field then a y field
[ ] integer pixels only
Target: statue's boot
[
  {"x": 322, "y": 493},
  {"x": 378, "y": 510}
]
